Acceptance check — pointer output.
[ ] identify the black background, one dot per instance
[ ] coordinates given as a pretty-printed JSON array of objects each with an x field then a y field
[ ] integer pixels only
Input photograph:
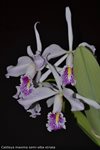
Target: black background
[{"x": 16, "y": 32}]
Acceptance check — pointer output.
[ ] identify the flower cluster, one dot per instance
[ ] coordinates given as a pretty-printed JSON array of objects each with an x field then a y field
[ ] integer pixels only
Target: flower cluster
[{"x": 34, "y": 85}]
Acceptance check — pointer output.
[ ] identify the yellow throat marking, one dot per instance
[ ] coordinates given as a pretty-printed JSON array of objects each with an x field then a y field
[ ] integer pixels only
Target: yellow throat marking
[
  {"x": 28, "y": 85},
  {"x": 57, "y": 117},
  {"x": 69, "y": 72}
]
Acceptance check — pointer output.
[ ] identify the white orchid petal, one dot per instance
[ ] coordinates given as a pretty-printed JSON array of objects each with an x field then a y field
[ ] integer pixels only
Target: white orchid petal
[
  {"x": 88, "y": 101},
  {"x": 92, "y": 47},
  {"x": 69, "y": 60},
  {"x": 38, "y": 76},
  {"x": 56, "y": 76},
  {"x": 37, "y": 95},
  {"x": 76, "y": 105},
  {"x": 57, "y": 107},
  {"x": 50, "y": 101},
  {"x": 31, "y": 70},
  {"x": 53, "y": 51},
  {"x": 38, "y": 41},
  {"x": 41, "y": 93},
  {"x": 17, "y": 94},
  {"x": 26, "y": 105},
  {"x": 70, "y": 33},
  {"x": 59, "y": 69},
  {"x": 61, "y": 60},
  {"x": 45, "y": 75},
  {"x": 35, "y": 111},
  {"x": 38, "y": 108},
  {"x": 16, "y": 71},
  {"x": 69, "y": 92},
  {"x": 29, "y": 51},
  {"x": 20, "y": 68},
  {"x": 24, "y": 60}
]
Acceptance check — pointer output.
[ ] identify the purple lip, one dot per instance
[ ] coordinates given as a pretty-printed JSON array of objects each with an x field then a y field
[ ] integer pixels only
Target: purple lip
[
  {"x": 68, "y": 76},
  {"x": 56, "y": 121},
  {"x": 26, "y": 86}
]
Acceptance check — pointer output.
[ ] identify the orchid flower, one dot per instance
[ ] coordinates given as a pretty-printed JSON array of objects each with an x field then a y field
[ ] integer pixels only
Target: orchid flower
[
  {"x": 26, "y": 87},
  {"x": 66, "y": 72},
  {"x": 54, "y": 94},
  {"x": 55, "y": 118},
  {"x": 30, "y": 65},
  {"x": 30, "y": 102}
]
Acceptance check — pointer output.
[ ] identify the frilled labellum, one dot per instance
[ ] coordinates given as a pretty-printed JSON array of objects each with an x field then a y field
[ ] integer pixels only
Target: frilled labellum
[
  {"x": 26, "y": 85},
  {"x": 56, "y": 121},
  {"x": 68, "y": 76}
]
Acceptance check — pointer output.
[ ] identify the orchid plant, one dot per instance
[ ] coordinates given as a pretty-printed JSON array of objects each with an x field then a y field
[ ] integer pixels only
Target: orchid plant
[{"x": 35, "y": 84}]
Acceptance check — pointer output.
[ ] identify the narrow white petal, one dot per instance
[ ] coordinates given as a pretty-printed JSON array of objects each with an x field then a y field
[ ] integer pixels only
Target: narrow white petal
[
  {"x": 56, "y": 75},
  {"x": 59, "y": 69},
  {"x": 61, "y": 60},
  {"x": 57, "y": 107},
  {"x": 76, "y": 105},
  {"x": 88, "y": 101},
  {"x": 29, "y": 51},
  {"x": 37, "y": 95},
  {"x": 38, "y": 76},
  {"x": 38, "y": 41},
  {"x": 53, "y": 51},
  {"x": 92, "y": 47},
  {"x": 50, "y": 101},
  {"x": 70, "y": 33},
  {"x": 47, "y": 73},
  {"x": 69, "y": 60}
]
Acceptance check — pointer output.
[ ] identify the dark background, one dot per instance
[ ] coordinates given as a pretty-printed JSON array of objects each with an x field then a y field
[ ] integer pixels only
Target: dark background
[{"x": 16, "y": 32}]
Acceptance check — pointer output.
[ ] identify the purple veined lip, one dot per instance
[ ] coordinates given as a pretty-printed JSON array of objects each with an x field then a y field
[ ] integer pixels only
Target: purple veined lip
[
  {"x": 26, "y": 85},
  {"x": 68, "y": 76},
  {"x": 39, "y": 61},
  {"x": 56, "y": 121}
]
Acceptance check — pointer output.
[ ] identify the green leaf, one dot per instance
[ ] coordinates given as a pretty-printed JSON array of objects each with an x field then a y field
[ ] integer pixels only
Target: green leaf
[
  {"x": 87, "y": 76},
  {"x": 85, "y": 126},
  {"x": 87, "y": 73}
]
